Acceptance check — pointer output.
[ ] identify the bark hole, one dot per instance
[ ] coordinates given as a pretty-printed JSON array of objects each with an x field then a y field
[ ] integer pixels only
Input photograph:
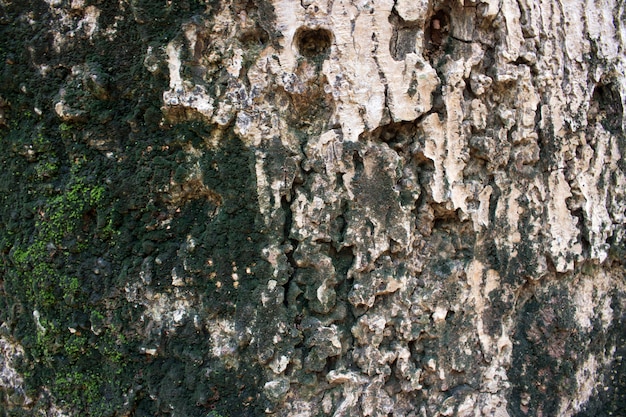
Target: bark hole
[
  {"x": 312, "y": 43},
  {"x": 436, "y": 35},
  {"x": 606, "y": 107},
  {"x": 254, "y": 37},
  {"x": 444, "y": 216}
]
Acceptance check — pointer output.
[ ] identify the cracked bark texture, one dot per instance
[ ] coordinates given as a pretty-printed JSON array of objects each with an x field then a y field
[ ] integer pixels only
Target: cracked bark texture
[{"x": 373, "y": 208}]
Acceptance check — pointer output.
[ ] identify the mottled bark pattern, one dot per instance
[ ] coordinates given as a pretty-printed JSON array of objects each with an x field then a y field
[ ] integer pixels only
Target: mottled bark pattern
[{"x": 317, "y": 207}]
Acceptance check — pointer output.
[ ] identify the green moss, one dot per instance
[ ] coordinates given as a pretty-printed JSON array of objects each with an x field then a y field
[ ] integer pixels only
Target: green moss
[
  {"x": 63, "y": 229},
  {"x": 68, "y": 208}
]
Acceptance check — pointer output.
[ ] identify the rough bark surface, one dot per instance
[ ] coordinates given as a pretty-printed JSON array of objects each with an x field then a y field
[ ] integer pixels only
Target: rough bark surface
[{"x": 307, "y": 208}]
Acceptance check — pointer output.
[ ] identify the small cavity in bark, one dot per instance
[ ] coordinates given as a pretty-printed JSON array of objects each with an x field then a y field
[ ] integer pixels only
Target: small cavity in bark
[
  {"x": 436, "y": 34},
  {"x": 313, "y": 43}
]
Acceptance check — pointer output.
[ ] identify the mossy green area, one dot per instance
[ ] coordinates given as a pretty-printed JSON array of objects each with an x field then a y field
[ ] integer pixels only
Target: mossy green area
[{"x": 84, "y": 207}]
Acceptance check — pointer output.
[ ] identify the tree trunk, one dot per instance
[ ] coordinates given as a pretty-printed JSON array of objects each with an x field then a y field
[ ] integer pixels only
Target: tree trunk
[{"x": 307, "y": 208}]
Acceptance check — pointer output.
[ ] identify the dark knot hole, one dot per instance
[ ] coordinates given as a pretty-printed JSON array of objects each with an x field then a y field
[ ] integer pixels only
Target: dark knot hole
[{"x": 313, "y": 43}]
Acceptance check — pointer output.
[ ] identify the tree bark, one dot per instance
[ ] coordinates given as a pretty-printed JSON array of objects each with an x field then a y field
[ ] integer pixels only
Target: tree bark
[{"x": 304, "y": 208}]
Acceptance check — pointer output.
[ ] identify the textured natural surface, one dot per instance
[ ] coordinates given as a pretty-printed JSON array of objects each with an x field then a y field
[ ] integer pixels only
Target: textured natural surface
[{"x": 307, "y": 208}]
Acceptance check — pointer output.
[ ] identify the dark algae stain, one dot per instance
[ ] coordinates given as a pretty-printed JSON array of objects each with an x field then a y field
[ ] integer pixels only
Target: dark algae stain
[
  {"x": 610, "y": 399},
  {"x": 539, "y": 366},
  {"x": 550, "y": 348},
  {"x": 85, "y": 214}
]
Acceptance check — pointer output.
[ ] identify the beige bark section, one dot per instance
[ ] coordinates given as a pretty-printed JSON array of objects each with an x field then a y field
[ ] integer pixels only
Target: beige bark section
[
  {"x": 362, "y": 76},
  {"x": 563, "y": 226},
  {"x": 514, "y": 164},
  {"x": 365, "y": 82}
]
